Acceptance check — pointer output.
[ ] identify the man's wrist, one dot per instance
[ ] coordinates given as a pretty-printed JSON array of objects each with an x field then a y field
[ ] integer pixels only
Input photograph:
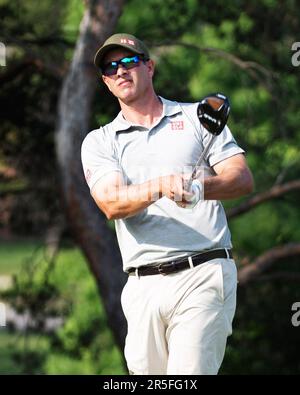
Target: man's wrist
[
  {"x": 200, "y": 186},
  {"x": 197, "y": 191}
]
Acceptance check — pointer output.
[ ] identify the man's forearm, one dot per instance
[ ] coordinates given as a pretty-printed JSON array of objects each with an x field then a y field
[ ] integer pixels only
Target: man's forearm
[
  {"x": 228, "y": 185},
  {"x": 128, "y": 200}
]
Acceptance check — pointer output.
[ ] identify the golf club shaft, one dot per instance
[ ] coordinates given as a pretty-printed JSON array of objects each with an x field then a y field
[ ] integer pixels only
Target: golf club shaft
[{"x": 188, "y": 183}]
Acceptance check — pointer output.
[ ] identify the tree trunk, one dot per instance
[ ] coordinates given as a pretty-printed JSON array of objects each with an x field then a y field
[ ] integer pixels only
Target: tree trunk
[{"x": 87, "y": 222}]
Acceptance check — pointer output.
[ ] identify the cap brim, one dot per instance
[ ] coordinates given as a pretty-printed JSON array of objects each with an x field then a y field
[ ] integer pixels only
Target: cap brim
[{"x": 103, "y": 51}]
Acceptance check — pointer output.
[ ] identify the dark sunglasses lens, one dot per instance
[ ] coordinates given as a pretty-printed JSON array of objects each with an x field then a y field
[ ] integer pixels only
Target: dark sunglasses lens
[
  {"x": 128, "y": 63},
  {"x": 110, "y": 69}
]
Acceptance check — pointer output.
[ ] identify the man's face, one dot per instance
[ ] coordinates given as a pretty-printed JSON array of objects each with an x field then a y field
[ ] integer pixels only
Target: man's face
[{"x": 128, "y": 85}]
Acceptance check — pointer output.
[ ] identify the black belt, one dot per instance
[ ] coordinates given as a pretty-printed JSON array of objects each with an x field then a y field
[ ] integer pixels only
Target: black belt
[{"x": 180, "y": 264}]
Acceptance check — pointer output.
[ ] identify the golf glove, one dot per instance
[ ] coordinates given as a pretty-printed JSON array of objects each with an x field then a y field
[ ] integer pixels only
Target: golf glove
[{"x": 197, "y": 191}]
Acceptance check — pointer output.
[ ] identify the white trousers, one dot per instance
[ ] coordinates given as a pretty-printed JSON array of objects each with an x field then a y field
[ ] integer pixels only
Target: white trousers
[{"x": 179, "y": 323}]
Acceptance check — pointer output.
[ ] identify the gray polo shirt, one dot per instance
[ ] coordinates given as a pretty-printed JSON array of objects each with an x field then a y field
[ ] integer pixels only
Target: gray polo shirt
[{"x": 163, "y": 231}]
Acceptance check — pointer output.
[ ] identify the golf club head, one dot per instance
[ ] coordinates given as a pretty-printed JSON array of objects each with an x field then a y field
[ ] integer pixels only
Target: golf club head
[{"x": 213, "y": 112}]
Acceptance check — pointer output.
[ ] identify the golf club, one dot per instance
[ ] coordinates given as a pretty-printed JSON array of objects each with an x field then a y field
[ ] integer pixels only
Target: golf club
[{"x": 213, "y": 112}]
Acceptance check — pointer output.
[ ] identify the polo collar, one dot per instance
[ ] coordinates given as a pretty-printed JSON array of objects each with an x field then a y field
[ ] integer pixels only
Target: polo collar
[{"x": 170, "y": 108}]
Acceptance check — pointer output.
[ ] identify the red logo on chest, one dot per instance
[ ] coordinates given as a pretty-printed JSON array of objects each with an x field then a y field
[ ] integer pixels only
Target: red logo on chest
[{"x": 177, "y": 125}]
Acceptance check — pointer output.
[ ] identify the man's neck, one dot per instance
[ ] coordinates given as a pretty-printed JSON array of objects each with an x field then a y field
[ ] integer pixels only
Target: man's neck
[{"x": 145, "y": 112}]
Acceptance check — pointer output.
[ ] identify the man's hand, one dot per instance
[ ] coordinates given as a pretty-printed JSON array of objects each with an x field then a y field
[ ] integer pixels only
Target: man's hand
[{"x": 172, "y": 186}]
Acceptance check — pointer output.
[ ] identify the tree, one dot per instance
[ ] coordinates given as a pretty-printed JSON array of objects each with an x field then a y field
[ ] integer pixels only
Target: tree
[
  {"x": 74, "y": 113},
  {"x": 243, "y": 49},
  {"x": 89, "y": 227}
]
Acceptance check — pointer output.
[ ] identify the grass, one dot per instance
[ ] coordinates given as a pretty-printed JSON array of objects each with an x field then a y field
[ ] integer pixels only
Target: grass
[
  {"x": 7, "y": 364},
  {"x": 13, "y": 254},
  {"x": 13, "y": 343},
  {"x": 86, "y": 319}
]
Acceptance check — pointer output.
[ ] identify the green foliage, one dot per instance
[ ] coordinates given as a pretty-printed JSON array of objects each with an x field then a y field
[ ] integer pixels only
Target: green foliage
[
  {"x": 85, "y": 339},
  {"x": 264, "y": 228},
  {"x": 12, "y": 255},
  {"x": 73, "y": 15},
  {"x": 36, "y": 45},
  {"x": 264, "y": 340},
  {"x": 265, "y": 121},
  {"x": 156, "y": 19},
  {"x": 263, "y": 89},
  {"x": 83, "y": 344},
  {"x": 22, "y": 354}
]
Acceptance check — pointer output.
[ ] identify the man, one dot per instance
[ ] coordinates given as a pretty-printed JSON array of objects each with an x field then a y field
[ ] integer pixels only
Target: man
[{"x": 180, "y": 297}]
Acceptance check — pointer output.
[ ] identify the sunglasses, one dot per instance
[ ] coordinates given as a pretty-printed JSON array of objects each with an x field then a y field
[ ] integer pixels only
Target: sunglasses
[{"x": 111, "y": 68}]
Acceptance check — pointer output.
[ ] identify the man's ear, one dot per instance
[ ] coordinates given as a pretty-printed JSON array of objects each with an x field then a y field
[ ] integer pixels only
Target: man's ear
[
  {"x": 151, "y": 66},
  {"x": 106, "y": 81}
]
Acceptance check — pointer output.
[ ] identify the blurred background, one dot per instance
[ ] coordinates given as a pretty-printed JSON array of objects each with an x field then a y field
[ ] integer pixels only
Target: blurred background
[{"x": 60, "y": 268}]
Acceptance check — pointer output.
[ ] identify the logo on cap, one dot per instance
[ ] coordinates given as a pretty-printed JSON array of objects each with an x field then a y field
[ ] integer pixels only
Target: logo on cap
[{"x": 127, "y": 41}]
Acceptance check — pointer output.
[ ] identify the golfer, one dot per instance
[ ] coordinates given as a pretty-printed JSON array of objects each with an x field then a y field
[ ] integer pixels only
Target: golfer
[{"x": 180, "y": 297}]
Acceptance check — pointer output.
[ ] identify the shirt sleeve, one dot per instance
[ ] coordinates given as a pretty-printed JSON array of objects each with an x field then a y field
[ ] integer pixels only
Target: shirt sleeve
[
  {"x": 98, "y": 156},
  {"x": 223, "y": 147}
]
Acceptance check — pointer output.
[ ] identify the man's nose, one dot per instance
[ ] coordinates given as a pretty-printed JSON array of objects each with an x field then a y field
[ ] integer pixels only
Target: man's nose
[{"x": 121, "y": 70}]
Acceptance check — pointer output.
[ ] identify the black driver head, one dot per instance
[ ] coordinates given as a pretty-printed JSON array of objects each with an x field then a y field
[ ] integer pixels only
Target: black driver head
[{"x": 213, "y": 112}]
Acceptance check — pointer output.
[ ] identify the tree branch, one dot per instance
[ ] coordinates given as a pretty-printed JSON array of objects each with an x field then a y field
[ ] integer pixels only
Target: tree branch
[
  {"x": 287, "y": 276},
  {"x": 39, "y": 41},
  {"x": 265, "y": 261},
  {"x": 15, "y": 70},
  {"x": 274, "y": 192},
  {"x": 258, "y": 72}
]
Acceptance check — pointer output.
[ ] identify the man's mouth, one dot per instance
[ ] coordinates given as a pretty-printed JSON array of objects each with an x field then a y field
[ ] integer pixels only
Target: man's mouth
[{"x": 123, "y": 83}]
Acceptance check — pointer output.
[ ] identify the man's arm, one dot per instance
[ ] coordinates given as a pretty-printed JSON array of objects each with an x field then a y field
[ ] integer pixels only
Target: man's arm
[
  {"x": 233, "y": 179},
  {"x": 118, "y": 200}
]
